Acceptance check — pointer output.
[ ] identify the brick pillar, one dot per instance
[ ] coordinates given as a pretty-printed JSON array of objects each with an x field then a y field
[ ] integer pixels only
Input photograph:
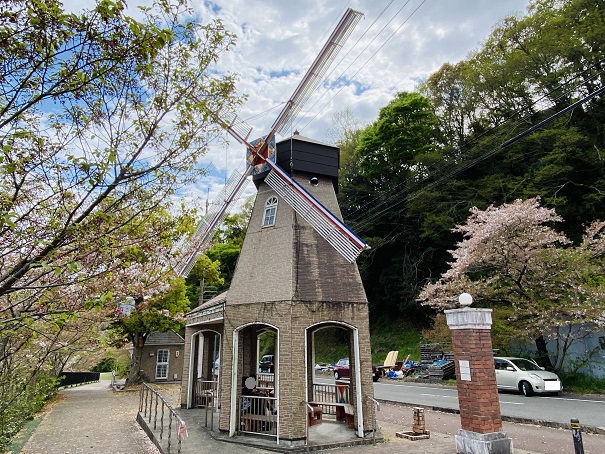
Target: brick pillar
[{"x": 477, "y": 391}]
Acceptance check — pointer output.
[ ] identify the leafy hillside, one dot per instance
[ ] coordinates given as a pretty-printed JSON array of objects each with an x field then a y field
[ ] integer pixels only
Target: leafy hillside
[{"x": 331, "y": 344}]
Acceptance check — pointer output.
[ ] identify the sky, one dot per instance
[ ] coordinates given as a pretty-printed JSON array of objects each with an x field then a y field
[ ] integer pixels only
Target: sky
[{"x": 396, "y": 45}]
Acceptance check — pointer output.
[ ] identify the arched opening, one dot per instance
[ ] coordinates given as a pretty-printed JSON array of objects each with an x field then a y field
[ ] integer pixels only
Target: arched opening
[
  {"x": 255, "y": 368},
  {"x": 204, "y": 379},
  {"x": 335, "y": 386}
]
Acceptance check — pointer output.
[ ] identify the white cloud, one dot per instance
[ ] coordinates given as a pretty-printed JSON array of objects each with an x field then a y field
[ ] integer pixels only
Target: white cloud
[
  {"x": 388, "y": 53},
  {"x": 278, "y": 40}
]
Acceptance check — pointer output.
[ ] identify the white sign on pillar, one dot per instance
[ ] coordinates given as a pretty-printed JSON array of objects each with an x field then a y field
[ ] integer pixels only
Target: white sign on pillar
[{"x": 465, "y": 370}]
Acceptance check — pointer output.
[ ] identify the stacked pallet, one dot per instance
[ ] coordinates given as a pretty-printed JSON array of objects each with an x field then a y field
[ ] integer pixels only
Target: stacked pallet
[
  {"x": 441, "y": 370},
  {"x": 430, "y": 353}
]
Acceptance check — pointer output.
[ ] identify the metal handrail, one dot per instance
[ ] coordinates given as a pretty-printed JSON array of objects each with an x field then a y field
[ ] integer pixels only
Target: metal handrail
[
  {"x": 206, "y": 393},
  {"x": 376, "y": 408},
  {"x": 146, "y": 403},
  {"x": 309, "y": 407}
]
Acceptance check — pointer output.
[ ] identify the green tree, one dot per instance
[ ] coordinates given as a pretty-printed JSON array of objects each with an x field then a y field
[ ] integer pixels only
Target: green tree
[
  {"x": 131, "y": 120},
  {"x": 229, "y": 240},
  {"x": 204, "y": 273},
  {"x": 345, "y": 133},
  {"x": 387, "y": 156},
  {"x": 390, "y": 148},
  {"x": 162, "y": 312}
]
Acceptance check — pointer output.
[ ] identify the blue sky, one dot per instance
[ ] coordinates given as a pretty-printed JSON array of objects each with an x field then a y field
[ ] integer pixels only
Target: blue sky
[{"x": 397, "y": 44}]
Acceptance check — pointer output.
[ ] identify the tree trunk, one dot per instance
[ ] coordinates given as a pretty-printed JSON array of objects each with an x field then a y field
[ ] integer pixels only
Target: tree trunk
[
  {"x": 134, "y": 372},
  {"x": 543, "y": 359},
  {"x": 201, "y": 298}
]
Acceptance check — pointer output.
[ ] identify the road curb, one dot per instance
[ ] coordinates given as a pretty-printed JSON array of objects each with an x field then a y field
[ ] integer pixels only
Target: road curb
[{"x": 538, "y": 422}]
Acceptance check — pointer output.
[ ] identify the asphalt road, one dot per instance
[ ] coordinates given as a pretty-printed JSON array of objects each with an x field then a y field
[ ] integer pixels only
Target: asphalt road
[
  {"x": 590, "y": 410},
  {"x": 560, "y": 409}
]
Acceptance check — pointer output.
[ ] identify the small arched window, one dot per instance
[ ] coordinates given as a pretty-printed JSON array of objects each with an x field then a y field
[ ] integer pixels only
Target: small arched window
[{"x": 270, "y": 211}]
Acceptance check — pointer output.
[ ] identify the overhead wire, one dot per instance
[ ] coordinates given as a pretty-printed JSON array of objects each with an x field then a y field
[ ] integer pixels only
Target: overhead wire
[
  {"x": 369, "y": 59},
  {"x": 526, "y": 109},
  {"x": 267, "y": 111},
  {"x": 355, "y": 45},
  {"x": 379, "y": 209}
]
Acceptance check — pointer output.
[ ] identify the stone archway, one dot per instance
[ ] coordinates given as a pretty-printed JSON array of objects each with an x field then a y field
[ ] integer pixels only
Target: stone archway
[
  {"x": 349, "y": 391},
  {"x": 203, "y": 385}
]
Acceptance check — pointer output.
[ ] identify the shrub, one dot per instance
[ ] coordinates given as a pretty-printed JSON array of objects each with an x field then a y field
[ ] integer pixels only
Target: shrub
[
  {"x": 581, "y": 383},
  {"x": 22, "y": 398}
]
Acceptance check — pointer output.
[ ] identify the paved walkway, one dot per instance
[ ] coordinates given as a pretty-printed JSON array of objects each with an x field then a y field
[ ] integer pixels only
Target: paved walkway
[
  {"x": 94, "y": 419},
  {"x": 91, "y": 419}
]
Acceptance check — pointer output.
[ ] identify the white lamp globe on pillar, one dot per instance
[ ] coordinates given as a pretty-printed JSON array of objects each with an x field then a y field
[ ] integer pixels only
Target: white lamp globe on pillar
[{"x": 465, "y": 299}]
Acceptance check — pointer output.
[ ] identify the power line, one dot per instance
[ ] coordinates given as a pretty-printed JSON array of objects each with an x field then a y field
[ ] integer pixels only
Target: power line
[
  {"x": 407, "y": 185},
  {"x": 370, "y": 58},
  {"x": 467, "y": 165}
]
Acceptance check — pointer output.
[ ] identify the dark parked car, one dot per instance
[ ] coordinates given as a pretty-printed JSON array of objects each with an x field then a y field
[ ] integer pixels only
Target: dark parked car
[
  {"x": 267, "y": 364},
  {"x": 341, "y": 370}
]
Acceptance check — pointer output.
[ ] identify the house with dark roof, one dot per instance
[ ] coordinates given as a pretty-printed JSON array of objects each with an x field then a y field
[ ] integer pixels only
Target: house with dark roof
[{"x": 162, "y": 358}]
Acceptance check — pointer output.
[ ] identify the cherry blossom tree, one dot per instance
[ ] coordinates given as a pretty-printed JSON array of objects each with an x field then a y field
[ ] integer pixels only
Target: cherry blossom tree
[
  {"x": 103, "y": 119},
  {"x": 512, "y": 259},
  {"x": 161, "y": 312}
]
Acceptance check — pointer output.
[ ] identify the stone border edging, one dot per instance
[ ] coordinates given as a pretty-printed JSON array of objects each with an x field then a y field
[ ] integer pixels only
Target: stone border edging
[{"x": 515, "y": 419}]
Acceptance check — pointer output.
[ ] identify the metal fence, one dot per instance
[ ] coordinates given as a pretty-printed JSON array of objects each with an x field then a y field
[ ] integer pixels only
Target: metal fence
[
  {"x": 206, "y": 396},
  {"x": 149, "y": 401},
  {"x": 258, "y": 415},
  {"x": 78, "y": 378}
]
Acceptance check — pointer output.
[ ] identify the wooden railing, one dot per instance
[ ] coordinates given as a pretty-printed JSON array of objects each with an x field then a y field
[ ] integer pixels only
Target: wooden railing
[
  {"x": 330, "y": 394},
  {"x": 265, "y": 380}
]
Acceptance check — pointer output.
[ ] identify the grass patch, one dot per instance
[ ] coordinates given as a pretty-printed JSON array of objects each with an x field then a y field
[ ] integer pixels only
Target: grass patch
[
  {"x": 399, "y": 336},
  {"x": 582, "y": 384},
  {"x": 331, "y": 344}
]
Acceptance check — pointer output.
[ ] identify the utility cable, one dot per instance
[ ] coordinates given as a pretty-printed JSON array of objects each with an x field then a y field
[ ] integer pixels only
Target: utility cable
[
  {"x": 407, "y": 185},
  {"x": 367, "y": 61},
  {"x": 354, "y": 46},
  {"x": 490, "y": 153}
]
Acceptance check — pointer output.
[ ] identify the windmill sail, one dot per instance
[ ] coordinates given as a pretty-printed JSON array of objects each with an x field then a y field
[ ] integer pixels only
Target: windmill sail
[
  {"x": 326, "y": 224},
  {"x": 344, "y": 240},
  {"x": 316, "y": 72},
  {"x": 216, "y": 214}
]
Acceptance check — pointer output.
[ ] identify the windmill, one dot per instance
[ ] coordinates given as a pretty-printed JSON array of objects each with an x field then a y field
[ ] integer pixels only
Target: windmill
[{"x": 261, "y": 158}]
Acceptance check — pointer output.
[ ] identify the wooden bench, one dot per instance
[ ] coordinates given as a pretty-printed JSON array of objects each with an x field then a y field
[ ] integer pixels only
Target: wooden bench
[
  {"x": 258, "y": 423},
  {"x": 344, "y": 412},
  {"x": 349, "y": 413},
  {"x": 315, "y": 415}
]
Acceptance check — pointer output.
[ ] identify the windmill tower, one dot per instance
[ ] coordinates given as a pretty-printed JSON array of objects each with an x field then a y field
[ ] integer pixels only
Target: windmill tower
[{"x": 296, "y": 274}]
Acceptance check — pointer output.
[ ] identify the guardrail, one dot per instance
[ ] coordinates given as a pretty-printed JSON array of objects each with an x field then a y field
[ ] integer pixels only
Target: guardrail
[
  {"x": 78, "y": 378},
  {"x": 147, "y": 407}
]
